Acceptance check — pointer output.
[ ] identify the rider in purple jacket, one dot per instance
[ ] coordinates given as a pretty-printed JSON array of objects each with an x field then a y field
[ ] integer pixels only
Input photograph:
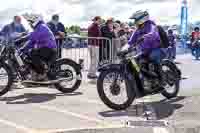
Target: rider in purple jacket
[
  {"x": 147, "y": 40},
  {"x": 42, "y": 44},
  {"x": 41, "y": 37},
  {"x": 148, "y": 36}
]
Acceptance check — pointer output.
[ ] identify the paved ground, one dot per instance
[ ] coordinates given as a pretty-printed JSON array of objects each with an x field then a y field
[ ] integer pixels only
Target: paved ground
[{"x": 32, "y": 110}]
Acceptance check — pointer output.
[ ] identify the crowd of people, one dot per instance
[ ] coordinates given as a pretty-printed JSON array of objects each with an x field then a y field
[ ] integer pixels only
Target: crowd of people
[
  {"x": 120, "y": 34},
  {"x": 99, "y": 40}
]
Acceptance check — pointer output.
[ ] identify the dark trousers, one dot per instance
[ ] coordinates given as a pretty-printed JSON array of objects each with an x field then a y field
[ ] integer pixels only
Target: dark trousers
[
  {"x": 42, "y": 54},
  {"x": 59, "y": 43}
]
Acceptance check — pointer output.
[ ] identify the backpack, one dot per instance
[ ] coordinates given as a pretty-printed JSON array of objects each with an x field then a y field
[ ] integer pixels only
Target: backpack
[{"x": 163, "y": 37}]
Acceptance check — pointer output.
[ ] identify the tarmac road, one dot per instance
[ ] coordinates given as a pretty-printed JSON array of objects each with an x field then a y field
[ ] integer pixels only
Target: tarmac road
[{"x": 34, "y": 110}]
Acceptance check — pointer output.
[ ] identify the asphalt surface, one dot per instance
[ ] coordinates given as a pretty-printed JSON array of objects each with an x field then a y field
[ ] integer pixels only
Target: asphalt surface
[{"x": 35, "y": 110}]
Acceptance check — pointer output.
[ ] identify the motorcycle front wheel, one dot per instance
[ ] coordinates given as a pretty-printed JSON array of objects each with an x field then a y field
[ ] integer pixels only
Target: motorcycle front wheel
[{"x": 117, "y": 82}]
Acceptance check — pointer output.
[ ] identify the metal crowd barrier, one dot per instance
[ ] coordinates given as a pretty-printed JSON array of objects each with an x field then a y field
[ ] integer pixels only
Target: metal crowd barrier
[{"x": 91, "y": 50}]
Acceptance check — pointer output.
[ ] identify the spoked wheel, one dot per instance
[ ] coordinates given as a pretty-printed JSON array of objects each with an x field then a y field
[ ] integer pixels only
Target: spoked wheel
[
  {"x": 172, "y": 79},
  {"x": 5, "y": 78},
  {"x": 68, "y": 69},
  {"x": 115, "y": 90}
]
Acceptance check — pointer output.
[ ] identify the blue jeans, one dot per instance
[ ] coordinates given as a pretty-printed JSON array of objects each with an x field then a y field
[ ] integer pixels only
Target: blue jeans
[
  {"x": 196, "y": 52},
  {"x": 157, "y": 55}
]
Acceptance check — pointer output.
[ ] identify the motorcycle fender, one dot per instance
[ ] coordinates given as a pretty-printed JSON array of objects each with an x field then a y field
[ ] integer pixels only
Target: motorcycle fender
[
  {"x": 173, "y": 65},
  {"x": 68, "y": 60},
  {"x": 110, "y": 66}
]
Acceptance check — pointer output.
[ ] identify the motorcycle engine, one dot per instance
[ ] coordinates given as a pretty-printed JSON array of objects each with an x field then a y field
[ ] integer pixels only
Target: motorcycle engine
[{"x": 149, "y": 83}]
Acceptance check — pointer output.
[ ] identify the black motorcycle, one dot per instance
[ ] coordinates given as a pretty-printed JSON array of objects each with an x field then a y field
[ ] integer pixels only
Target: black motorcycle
[
  {"x": 16, "y": 65},
  {"x": 128, "y": 76}
]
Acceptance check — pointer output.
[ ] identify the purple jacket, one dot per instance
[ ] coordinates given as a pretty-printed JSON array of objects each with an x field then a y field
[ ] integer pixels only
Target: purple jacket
[
  {"x": 151, "y": 40},
  {"x": 41, "y": 37}
]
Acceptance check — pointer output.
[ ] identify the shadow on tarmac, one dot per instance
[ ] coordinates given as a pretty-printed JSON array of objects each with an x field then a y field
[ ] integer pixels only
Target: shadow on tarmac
[
  {"x": 163, "y": 109},
  {"x": 28, "y": 98}
]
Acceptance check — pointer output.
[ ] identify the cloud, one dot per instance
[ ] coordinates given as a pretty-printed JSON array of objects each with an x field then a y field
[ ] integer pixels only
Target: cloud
[{"x": 82, "y": 11}]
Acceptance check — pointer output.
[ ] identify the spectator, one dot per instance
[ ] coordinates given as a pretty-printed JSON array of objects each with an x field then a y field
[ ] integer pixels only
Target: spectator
[
  {"x": 93, "y": 44},
  {"x": 118, "y": 22},
  {"x": 58, "y": 30},
  {"x": 122, "y": 29},
  {"x": 107, "y": 31},
  {"x": 124, "y": 34},
  {"x": 116, "y": 42},
  {"x": 195, "y": 37},
  {"x": 14, "y": 29},
  {"x": 172, "y": 47}
]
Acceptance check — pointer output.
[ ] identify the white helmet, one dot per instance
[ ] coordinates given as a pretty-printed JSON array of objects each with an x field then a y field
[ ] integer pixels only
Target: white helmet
[
  {"x": 34, "y": 19},
  {"x": 140, "y": 17}
]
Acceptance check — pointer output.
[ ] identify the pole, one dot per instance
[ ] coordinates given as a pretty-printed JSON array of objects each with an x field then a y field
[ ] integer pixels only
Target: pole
[{"x": 184, "y": 23}]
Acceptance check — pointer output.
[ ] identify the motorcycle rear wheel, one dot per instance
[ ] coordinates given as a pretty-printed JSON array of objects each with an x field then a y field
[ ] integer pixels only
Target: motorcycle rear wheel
[
  {"x": 175, "y": 75},
  {"x": 57, "y": 75}
]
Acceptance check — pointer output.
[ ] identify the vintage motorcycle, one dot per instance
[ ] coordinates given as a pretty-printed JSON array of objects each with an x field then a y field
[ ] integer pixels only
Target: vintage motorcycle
[
  {"x": 127, "y": 76},
  {"x": 59, "y": 72}
]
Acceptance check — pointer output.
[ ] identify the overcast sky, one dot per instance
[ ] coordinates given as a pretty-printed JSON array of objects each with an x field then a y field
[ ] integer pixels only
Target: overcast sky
[{"x": 81, "y": 11}]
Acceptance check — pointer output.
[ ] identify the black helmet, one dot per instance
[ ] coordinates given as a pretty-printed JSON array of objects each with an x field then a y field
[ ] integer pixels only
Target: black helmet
[
  {"x": 55, "y": 17},
  {"x": 196, "y": 28},
  {"x": 170, "y": 31}
]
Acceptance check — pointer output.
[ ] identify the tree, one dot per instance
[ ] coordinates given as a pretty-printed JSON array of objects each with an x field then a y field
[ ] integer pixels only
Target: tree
[
  {"x": 74, "y": 29},
  {"x": 77, "y": 29}
]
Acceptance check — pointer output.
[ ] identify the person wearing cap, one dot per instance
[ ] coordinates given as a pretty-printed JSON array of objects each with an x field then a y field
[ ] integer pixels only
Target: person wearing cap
[
  {"x": 93, "y": 45},
  {"x": 59, "y": 32},
  {"x": 107, "y": 31},
  {"x": 14, "y": 29}
]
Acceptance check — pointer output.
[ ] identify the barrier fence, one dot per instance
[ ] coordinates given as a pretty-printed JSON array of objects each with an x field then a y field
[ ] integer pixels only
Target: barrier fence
[{"x": 93, "y": 51}]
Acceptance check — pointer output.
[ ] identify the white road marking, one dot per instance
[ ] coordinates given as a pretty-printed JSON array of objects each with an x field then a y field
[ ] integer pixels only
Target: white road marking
[
  {"x": 160, "y": 130},
  {"x": 78, "y": 129},
  {"x": 16, "y": 126},
  {"x": 77, "y": 115},
  {"x": 92, "y": 101}
]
